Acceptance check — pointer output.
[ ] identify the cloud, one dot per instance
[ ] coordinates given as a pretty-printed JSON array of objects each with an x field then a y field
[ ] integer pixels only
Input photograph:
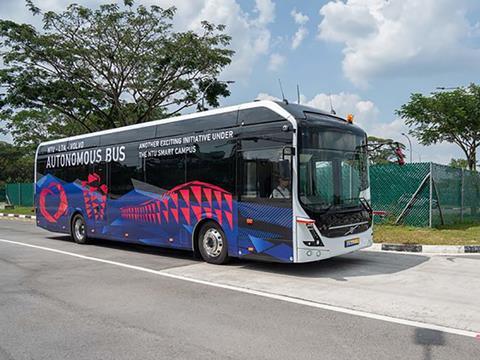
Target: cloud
[
  {"x": 265, "y": 96},
  {"x": 299, "y": 36},
  {"x": 276, "y": 62},
  {"x": 298, "y": 17},
  {"x": 400, "y": 37},
  {"x": 265, "y": 10},
  {"x": 302, "y": 31},
  {"x": 365, "y": 111}
]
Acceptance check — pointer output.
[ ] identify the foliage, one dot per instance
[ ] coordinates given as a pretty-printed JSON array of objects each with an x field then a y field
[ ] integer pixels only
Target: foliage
[
  {"x": 30, "y": 127},
  {"x": 459, "y": 163},
  {"x": 382, "y": 151},
  {"x": 16, "y": 164},
  {"x": 450, "y": 116},
  {"x": 94, "y": 69}
]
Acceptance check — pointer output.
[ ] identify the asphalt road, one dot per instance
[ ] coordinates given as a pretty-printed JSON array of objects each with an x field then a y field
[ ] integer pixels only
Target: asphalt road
[{"x": 116, "y": 301}]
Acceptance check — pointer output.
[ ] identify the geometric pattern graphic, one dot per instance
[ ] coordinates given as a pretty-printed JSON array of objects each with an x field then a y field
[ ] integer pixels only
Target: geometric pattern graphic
[
  {"x": 268, "y": 236},
  {"x": 95, "y": 196},
  {"x": 192, "y": 201},
  {"x": 270, "y": 214}
]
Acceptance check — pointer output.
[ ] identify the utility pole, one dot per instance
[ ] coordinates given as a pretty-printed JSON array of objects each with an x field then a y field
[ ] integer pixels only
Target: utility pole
[{"x": 410, "y": 145}]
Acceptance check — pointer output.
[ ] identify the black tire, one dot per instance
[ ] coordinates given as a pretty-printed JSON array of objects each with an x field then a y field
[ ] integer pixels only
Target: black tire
[
  {"x": 78, "y": 229},
  {"x": 212, "y": 243}
]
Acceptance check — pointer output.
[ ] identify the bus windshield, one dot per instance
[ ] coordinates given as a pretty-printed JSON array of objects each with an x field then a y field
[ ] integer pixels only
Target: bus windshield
[{"x": 333, "y": 169}]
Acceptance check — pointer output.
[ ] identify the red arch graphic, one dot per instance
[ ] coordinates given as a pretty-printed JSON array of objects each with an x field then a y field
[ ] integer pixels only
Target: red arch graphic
[{"x": 62, "y": 205}]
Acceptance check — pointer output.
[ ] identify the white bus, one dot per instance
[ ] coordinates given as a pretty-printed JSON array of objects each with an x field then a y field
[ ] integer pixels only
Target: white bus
[{"x": 263, "y": 180}]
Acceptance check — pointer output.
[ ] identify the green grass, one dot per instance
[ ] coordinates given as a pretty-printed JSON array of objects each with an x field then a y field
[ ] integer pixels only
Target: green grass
[
  {"x": 459, "y": 234},
  {"x": 22, "y": 210}
]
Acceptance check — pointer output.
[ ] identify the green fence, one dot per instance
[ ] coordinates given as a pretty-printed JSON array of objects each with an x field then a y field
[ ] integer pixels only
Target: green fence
[
  {"x": 424, "y": 194},
  {"x": 2, "y": 195},
  {"x": 20, "y": 194}
]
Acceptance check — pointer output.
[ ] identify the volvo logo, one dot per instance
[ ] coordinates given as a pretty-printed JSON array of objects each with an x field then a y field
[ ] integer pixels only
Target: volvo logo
[{"x": 352, "y": 229}]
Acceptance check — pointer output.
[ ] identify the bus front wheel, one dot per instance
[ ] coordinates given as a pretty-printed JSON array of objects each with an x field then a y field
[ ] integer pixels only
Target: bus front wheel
[
  {"x": 79, "y": 229},
  {"x": 212, "y": 243}
]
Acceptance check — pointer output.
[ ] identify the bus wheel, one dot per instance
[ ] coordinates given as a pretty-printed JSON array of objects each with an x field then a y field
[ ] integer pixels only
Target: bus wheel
[
  {"x": 79, "y": 229},
  {"x": 212, "y": 244}
]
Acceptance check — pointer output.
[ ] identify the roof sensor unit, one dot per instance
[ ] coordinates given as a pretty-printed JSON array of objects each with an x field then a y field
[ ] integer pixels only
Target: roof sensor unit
[
  {"x": 332, "y": 110},
  {"x": 283, "y": 94}
]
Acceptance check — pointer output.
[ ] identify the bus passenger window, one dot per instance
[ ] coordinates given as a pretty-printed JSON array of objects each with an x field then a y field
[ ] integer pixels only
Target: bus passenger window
[
  {"x": 166, "y": 172},
  {"x": 123, "y": 173}
]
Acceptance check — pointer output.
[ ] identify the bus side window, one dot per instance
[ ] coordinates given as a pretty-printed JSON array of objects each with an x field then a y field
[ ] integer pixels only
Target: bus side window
[
  {"x": 213, "y": 163},
  {"x": 122, "y": 173},
  {"x": 265, "y": 174},
  {"x": 166, "y": 172}
]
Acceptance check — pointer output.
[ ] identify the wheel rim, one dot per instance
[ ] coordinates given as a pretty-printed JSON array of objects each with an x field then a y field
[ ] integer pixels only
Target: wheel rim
[
  {"x": 79, "y": 229},
  {"x": 213, "y": 242}
]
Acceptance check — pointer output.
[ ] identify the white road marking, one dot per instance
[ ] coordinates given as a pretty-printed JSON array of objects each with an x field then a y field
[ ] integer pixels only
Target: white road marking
[{"x": 289, "y": 299}]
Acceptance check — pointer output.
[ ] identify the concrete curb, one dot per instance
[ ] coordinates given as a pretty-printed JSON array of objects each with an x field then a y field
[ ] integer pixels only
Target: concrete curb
[
  {"x": 33, "y": 217},
  {"x": 430, "y": 249}
]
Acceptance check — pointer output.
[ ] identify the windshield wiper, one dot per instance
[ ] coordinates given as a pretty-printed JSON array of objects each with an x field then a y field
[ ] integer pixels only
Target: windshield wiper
[{"x": 365, "y": 204}]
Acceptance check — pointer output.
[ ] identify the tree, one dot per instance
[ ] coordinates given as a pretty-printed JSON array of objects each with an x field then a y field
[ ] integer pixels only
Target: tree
[
  {"x": 451, "y": 116},
  {"x": 459, "y": 163},
  {"x": 15, "y": 163},
  {"x": 89, "y": 70},
  {"x": 382, "y": 151}
]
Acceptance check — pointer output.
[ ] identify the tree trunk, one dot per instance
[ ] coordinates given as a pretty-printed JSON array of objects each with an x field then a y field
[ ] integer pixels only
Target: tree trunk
[
  {"x": 472, "y": 159},
  {"x": 472, "y": 165}
]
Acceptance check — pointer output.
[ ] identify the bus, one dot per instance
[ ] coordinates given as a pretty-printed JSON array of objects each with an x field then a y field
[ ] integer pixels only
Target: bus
[{"x": 264, "y": 180}]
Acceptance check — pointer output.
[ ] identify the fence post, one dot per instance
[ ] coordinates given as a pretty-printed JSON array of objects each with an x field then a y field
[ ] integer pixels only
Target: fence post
[
  {"x": 431, "y": 197},
  {"x": 462, "y": 195}
]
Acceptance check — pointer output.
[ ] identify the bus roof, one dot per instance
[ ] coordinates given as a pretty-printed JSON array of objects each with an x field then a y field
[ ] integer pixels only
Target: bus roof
[{"x": 286, "y": 110}]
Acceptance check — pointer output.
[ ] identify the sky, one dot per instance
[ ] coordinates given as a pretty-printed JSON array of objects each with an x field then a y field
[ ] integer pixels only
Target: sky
[{"x": 367, "y": 56}]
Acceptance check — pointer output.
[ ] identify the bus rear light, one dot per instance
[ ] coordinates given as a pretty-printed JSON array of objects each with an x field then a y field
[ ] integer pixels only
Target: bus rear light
[
  {"x": 126, "y": 234},
  {"x": 249, "y": 221}
]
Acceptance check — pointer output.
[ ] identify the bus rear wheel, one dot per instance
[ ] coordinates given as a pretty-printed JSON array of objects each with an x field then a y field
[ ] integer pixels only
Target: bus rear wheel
[
  {"x": 212, "y": 243},
  {"x": 79, "y": 229}
]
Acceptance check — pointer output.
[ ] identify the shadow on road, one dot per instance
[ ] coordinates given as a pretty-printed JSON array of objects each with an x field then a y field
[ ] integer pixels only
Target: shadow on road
[
  {"x": 363, "y": 263},
  {"x": 130, "y": 247}
]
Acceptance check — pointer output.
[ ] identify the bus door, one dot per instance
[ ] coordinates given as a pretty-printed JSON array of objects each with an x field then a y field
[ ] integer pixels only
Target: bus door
[{"x": 264, "y": 178}]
